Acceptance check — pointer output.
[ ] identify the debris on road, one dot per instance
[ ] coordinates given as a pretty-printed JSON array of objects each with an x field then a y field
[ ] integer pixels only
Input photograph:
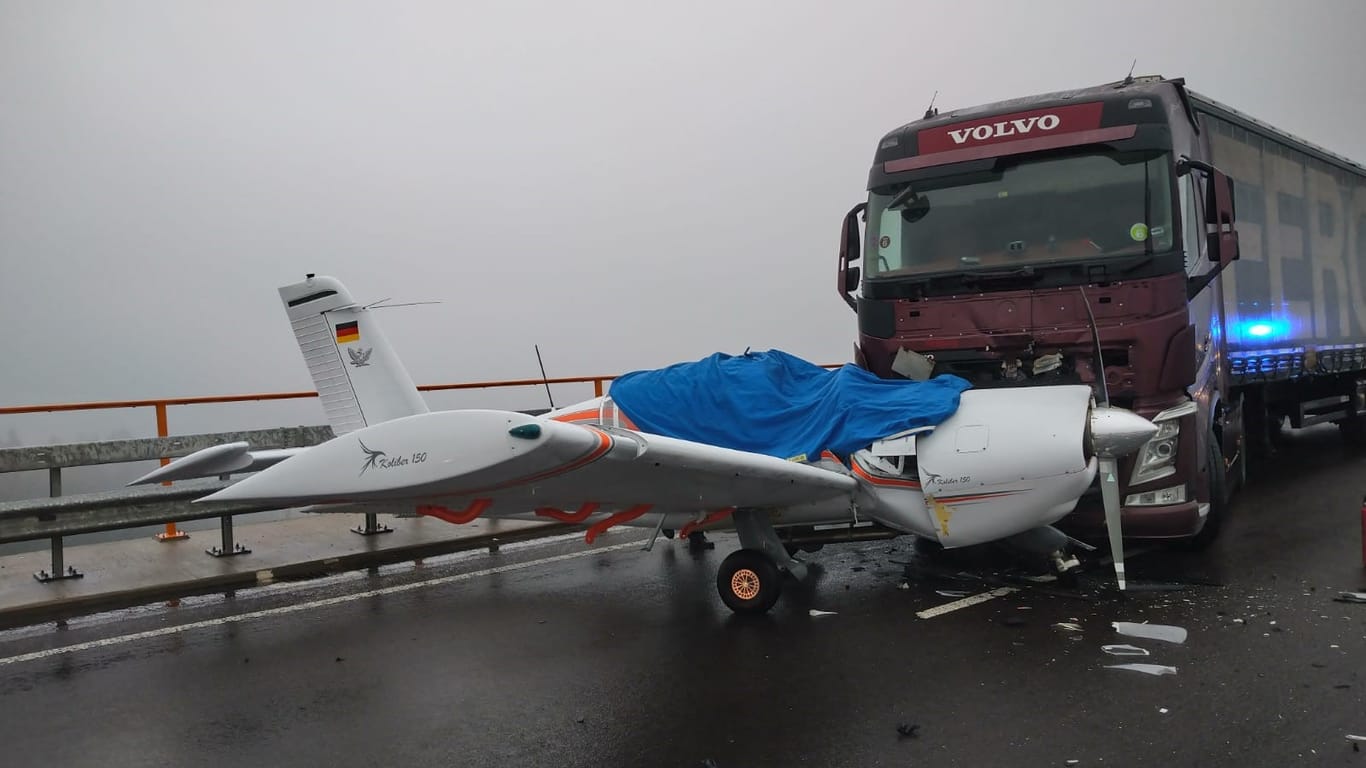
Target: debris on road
[
  {"x": 1068, "y": 625},
  {"x": 1164, "y": 632},
  {"x": 1350, "y": 597},
  {"x": 814, "y": 612},
  {"x": 908, "y": 730},
  {"x": 952, "y": 592},
  {"x": 1124, "y": 650},
  {"x": 1147, "y": 669}
]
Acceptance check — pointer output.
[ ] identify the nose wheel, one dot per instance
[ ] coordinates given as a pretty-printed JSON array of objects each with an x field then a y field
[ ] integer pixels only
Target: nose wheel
[{"x": 749, "y": 582}]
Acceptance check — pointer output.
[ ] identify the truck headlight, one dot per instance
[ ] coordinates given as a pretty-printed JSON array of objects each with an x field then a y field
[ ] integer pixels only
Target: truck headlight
[
  {"x": 1173, "y": 495},
  {"x": 1157, "y": 458}
]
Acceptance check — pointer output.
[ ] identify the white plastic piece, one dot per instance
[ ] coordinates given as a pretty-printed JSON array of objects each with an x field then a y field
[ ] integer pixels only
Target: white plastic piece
[
  {"x": 1124, "y": 650},
  {"x": 1147, "y": 669},
  {"x": 1164, "y": 632},
  {"x": 815, "y": 612}
]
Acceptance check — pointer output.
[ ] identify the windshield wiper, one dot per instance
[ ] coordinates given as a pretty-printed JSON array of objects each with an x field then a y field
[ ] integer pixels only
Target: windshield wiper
[
  {"x": 901, "y": 197},
  {"x": 977, "y": 277}
]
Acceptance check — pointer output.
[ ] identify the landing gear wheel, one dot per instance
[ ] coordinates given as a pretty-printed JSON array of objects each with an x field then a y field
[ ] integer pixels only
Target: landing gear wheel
[{"x": 749, "y": 582}]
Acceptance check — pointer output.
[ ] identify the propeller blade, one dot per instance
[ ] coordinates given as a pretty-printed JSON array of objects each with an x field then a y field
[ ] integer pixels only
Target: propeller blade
[{"x": 1109, "y": 494}]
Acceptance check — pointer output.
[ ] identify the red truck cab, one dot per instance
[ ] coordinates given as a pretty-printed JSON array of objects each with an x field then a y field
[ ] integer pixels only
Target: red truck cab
[{"x": 998, "y": 238}]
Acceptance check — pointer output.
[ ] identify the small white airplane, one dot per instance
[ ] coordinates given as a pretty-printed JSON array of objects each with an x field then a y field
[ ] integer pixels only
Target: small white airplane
[{"x": 1006, "y": 464}]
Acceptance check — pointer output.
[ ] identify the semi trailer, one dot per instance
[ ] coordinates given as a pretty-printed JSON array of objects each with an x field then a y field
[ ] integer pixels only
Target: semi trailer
[{"x": 1206, "y": 266}]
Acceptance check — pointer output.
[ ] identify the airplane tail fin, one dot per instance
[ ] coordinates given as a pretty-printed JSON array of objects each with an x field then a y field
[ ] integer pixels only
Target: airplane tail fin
[{"x": 360, "y": 380}]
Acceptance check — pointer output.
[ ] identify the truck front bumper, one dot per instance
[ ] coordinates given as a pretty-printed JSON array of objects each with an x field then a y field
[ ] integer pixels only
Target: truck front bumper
[{"x": 1174, "y": 521}]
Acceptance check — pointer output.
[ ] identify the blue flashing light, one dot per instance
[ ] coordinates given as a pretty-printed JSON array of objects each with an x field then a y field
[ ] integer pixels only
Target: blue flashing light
[{"x": 1264, "y": 329}]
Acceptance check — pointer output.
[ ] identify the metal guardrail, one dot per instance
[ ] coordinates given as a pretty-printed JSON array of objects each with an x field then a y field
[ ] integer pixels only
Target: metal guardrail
[{"x": 58, "y": 516}]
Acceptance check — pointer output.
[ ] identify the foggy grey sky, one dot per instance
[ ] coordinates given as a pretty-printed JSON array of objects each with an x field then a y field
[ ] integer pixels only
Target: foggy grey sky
[{"x": 626, "y": 184}]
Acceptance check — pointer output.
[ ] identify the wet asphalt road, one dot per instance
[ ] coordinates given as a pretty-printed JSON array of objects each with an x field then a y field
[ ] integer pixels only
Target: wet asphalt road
[{"x": 622, "y": 657}]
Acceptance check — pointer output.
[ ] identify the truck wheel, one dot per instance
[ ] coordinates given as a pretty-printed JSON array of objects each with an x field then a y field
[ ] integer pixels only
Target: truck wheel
[
  {"x": 749, "y": 582},
  {"x": 1218, "y": 499}
]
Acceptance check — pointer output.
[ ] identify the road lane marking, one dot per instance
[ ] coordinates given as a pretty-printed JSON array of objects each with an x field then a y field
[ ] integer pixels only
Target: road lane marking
[
  {"x": 308, "y": 606},
  {"x": 940, "y": 610}
]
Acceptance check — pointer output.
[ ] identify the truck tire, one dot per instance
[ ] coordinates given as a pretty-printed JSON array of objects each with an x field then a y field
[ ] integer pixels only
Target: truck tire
[{"x": 1218, "y": 498}]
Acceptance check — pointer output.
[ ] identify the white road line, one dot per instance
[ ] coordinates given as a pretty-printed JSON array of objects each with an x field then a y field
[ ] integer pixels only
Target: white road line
[
  {"x": 930, "y": 613},
  {"x": 308, "y": 606}
]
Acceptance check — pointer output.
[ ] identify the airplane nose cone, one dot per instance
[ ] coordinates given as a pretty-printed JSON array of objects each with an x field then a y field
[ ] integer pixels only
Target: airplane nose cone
[{"x": 1118, "y": 432}]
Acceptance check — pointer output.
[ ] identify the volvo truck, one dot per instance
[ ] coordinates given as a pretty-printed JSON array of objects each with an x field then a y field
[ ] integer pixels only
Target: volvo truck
[{"x": 1206, "y": 266}]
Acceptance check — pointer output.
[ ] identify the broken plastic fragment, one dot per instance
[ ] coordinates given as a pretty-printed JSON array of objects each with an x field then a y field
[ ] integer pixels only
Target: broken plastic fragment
[
  {"x": 1162, "y": 710},
  {"x": 1351, "y": 597},
  {"x": 1147, "y": 669},
  {"x": 1351, "y": 737},
  {"x": 904, "y": 585},
  {"x": 912, "y": 365},
  {"x": 815, "y": 612},
  {"x": 951, "y": 593},
  {"x": 1069, "y": 626},
  {"x": 1124, "y": 650},
  {"x": 1164, "y": 632}
]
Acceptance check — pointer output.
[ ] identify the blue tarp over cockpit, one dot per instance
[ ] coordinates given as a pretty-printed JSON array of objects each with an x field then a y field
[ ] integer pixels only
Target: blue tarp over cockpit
[{"x": 777, "y": 404}]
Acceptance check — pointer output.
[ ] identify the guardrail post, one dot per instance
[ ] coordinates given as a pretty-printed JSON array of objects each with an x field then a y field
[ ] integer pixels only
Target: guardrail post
[
  {"x": 372, "y": 526},
  {"x": 59, "y": 569},
  {"x": 229, "y": 548},
  {"x": 163, "y": 430},
  {"x": 597, "y": 387}
]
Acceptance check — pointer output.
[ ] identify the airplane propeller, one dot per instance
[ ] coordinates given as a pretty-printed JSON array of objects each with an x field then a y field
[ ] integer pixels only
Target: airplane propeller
[{"x": 1117, "y": 433}]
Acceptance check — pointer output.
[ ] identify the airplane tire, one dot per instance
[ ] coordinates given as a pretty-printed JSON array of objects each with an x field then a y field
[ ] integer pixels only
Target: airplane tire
[{"x": 749, "y": 582}]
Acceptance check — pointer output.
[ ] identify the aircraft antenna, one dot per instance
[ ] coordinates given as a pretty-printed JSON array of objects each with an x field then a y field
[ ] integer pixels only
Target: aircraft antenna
[
  {"x": 1129, "y": 78},
  {"x": 930, "y": 111},
  {"x": 544, "y": 378}
]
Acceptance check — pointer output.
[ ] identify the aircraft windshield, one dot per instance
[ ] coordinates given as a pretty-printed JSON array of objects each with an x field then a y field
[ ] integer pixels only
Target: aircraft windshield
[{"x": 1022, "y": 212}]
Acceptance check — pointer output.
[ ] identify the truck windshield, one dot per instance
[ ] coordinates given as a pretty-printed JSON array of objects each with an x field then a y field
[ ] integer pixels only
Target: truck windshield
[{"x": 1023, "y": 211}]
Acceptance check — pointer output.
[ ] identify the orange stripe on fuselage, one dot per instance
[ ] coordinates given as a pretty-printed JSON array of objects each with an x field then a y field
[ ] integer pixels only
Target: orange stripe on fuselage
[
  {"x": 977, "y": 497},
  {"x": 888, "y": 481},
  {"x": 591, "y": 417}
]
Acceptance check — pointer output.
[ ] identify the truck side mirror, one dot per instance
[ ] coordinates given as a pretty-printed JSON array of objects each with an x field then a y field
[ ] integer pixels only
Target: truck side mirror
[
  {"x": 1221, "y": 237},
  {"x": 850, "y": 252}
]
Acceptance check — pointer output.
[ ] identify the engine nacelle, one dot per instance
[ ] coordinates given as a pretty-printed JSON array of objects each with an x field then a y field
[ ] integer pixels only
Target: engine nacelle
[{"x": 1006, "y": 461}]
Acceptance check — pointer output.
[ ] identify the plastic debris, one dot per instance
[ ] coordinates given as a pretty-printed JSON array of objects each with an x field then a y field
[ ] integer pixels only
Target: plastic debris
[
  {"x": 1162, "y": 710},
  {"x": 1069, "y": 626},
  {"x": 1073, "y": 762},
  {"x": 908, "y": 730},
  {"x": 1124, "y": 650},
  {"x": 904, "y": 585},
  {"x": 951, "y": 592},
  {"x": 814, "y": 612},
  {"x": 1147, "y": 669},
  {"x": 1351, "y": 597},
  {"x": 1164, "y": 632},
  {"x": 1358, "y": 739}
]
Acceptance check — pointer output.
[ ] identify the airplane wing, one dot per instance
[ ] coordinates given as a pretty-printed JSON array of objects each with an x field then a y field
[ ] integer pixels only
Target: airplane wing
[{"x": 485, "y": 459}]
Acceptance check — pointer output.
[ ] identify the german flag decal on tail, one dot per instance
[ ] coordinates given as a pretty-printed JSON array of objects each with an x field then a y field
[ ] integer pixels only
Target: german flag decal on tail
[{"x": 348, "y": 332}]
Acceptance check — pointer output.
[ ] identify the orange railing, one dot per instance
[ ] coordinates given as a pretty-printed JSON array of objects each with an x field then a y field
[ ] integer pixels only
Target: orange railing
[{"x": 161, "y": 404}]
